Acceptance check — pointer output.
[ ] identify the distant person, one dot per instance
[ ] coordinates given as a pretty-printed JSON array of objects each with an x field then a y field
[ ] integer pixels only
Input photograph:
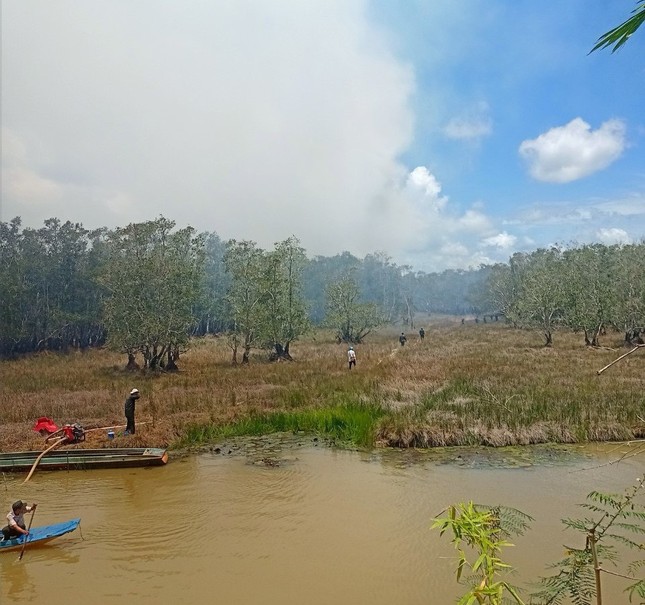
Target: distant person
[
  {"x": 402, "y": 339},
  {"x": 422, "y": 333},
  {"x": 16, "y": 521},
  {"x": 130, "y": 404},
  {"x": 351, "y": 357}
]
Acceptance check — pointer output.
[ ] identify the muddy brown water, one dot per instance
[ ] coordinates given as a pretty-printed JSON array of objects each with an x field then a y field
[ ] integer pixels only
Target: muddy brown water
[{"x": 273, "y": 524}]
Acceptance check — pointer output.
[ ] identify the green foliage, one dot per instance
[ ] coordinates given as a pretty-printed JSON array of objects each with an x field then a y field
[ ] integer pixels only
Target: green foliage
[
  {"x": 590, "y": 294},
  {"x": 50, "y": 297},
  {"x": 283, "y": 309},
  {"x": 54, "y": 283},
  {"x": 617, "y": 518},
  {"x": 586, "y": 289},
  {"x": 617, "y": 36},
  {"x": 618, "y": 521},
  {"x": 454, "y": 291},
  {"x": 484, "y": 530},
  {"x": 243, "y": 262},
  {"x": 351, "y": 319},
  {"x": 153, "y": 276},
  {"x": 379, "y": 282},
  {"x": 350, "y": 422},
  {"x": 265, "y": 300},
  {"x": 211, "y": 307}
]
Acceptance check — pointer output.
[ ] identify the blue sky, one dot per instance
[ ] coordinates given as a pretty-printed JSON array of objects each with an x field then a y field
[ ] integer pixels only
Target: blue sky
[{"x": 446, "y": 134}]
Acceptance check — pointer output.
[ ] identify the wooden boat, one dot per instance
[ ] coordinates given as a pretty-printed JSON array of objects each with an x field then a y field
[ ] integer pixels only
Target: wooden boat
[
  {"x": 40, "y": 535},
  {"x": 81, "y": 459}
]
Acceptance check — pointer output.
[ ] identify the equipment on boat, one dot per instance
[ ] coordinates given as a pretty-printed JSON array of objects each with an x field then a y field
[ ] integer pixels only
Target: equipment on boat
[
  {"x": 83, "y": 459},
  {"x": 69, "y": 433},
  {"x": 39, "y": 535}
]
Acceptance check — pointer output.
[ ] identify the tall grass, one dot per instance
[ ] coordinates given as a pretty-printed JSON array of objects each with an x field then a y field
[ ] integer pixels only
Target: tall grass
[
  {"x": 352, "y": 423},
  {"x": 485, "y": 384}
]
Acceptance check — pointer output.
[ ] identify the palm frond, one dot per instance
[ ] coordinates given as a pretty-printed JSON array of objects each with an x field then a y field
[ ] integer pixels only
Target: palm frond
[{"x": 617, "y": 36}]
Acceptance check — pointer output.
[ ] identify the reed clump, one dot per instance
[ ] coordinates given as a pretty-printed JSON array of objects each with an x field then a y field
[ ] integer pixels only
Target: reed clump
[{"x": 466, "y": 384}]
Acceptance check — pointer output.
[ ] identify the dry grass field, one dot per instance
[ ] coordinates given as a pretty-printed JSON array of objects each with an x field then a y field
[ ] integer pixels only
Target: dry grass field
[{"x": 464, "y": 384}]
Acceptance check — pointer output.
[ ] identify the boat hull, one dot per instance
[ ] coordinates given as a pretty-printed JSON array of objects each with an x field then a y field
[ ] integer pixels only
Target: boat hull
[
  {"x": 83, "y": 459},
  {"x": 40, "y": 535}
]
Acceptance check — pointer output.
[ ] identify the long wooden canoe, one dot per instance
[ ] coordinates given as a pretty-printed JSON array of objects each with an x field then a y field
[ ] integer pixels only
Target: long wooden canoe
[
  {"x": 40, "y": 535},
  {"x": 81, "y": 459}
]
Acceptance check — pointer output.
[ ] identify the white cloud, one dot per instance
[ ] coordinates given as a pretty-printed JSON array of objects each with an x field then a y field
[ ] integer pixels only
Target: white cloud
[
  {"x": 474, "y": 221},
  {"x": 633, "y": 205},
  {"x": 422, "y": 180},
  {"x": 473, "y": 125},
  {"x": 261, "y": 120},
  {"x": 502, "y": 240},
  {"x": 612, "y": 236},
  {"x": 598, "y": 211},
  {"x": 570, "y": 152},
  {"x": 256, "y": 120},
  {"x": 438, "y": 234}
]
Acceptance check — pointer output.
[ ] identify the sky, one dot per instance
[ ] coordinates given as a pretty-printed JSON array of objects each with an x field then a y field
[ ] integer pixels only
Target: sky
[{"x": 444, "y": 134}]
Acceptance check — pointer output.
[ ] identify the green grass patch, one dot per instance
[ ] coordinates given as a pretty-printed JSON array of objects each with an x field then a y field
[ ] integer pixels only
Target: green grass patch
[{"x": 352, "y": 423}]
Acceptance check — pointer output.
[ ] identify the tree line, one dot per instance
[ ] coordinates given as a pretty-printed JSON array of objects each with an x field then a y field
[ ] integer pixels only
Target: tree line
[
  {"x": 587, "y": 289},
  {"x": 146, "y": 288}
]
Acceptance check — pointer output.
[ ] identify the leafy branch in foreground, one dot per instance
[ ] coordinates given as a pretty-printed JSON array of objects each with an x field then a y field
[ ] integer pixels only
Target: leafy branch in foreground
[
  {"x": 619, "y": 520},
  {"x": 485, "y": 530},
  {"x": 617, "y": 36},
  {"x": 616, "y": 521}
]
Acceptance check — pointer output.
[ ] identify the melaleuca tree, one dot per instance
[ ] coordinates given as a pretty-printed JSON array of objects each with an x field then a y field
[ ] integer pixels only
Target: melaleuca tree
[
  {"x": 13, "y": 287},
  {"x": 588, "y": 287},
  {"x": 318, "y": 273},
  {"x": 153, "y": 275},
  {"x": 628, "y": 280},
  {"x": 244, "y": 263},
  {"x": 379, "y": 280},
  {"x": 350, "y": 318},
  {"x": 50, "y": 297},
  {"x": 504, "y": 288},
  {"x": 408, "y": 292},
  {"x": 211, "y": 309},
  {"x": 283, "y": 309},
  {"x": 541, "y": 301}
]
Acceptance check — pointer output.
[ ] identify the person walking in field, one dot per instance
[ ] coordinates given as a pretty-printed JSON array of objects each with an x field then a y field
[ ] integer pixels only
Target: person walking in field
[
  {"x": 402, "y": 339},
  {"x": 422, "y": 333},
  {"x": 130, "y": 404},
  {"x": 351, "y": 357}
]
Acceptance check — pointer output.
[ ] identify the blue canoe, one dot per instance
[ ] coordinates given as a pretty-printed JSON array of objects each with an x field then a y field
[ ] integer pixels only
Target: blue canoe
[{"x": 40, "y": 535}]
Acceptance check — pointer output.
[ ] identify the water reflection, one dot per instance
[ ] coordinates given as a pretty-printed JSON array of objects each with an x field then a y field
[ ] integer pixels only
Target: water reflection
[
  {"x": 272, "y": 523},
  {"x": 17, "y": 581}
]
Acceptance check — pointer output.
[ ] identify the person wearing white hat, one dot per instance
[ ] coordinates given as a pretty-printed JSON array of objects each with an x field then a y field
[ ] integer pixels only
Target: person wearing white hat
[
  {"x": 351, "y": 357},
  {"x": 129, "y": 411}
]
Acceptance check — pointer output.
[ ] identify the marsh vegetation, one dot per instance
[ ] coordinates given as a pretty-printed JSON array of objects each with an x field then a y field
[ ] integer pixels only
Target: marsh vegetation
[{"x": 467, "y": 384}]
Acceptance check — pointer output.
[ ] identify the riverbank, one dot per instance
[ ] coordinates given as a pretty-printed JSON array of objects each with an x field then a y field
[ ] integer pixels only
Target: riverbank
[{"x": 472, "y": 384}]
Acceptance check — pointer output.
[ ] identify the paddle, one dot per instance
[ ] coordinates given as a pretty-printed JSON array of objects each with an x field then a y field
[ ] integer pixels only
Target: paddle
[{"x": 24, "y": 544}]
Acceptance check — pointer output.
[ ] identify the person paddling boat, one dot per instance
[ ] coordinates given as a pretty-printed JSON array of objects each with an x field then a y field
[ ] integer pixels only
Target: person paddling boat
[
  {"x": 16, "y": 520},
  {"x": 39, "y": 536}
]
